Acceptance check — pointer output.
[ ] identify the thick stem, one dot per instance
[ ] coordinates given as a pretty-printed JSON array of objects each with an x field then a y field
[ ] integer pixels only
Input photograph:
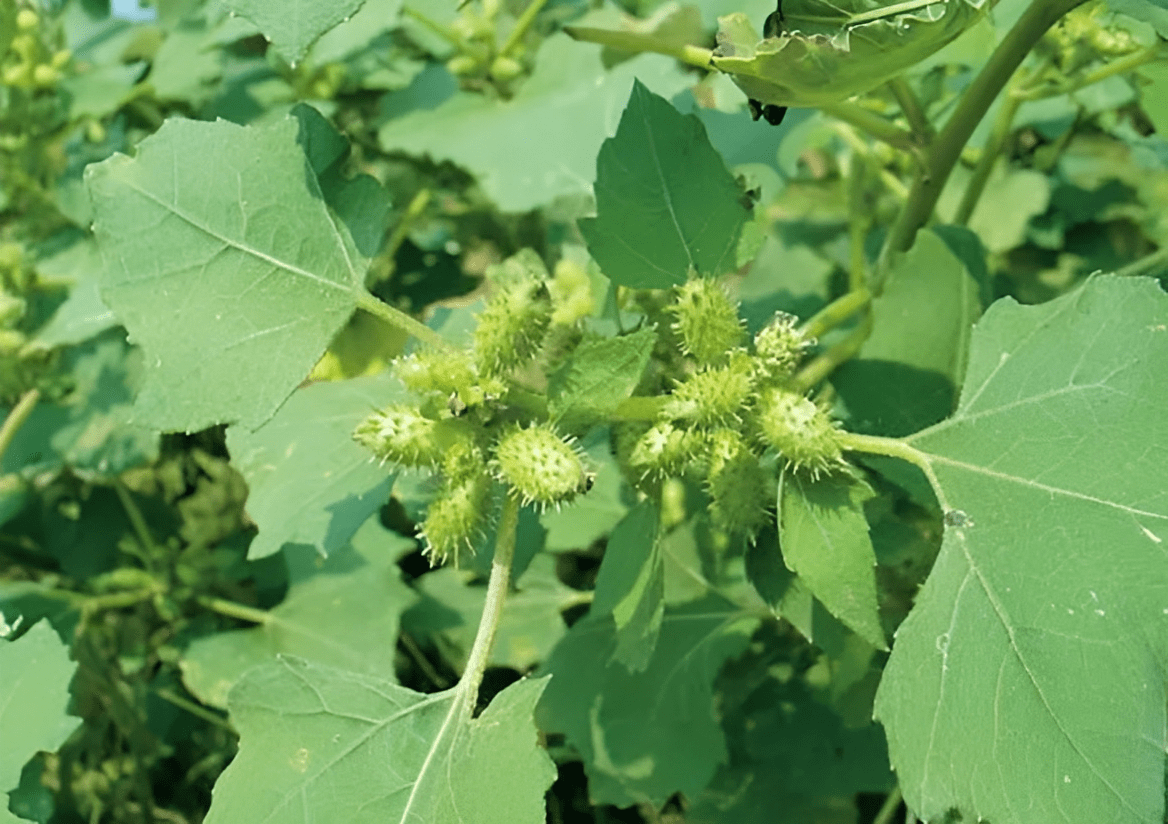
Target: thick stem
[
  {"x": 894, "y": 448},
  {"x": 942, "y": 156},
  {"x": 910, "y": 107},
  {"x": 500, "y": 581}
]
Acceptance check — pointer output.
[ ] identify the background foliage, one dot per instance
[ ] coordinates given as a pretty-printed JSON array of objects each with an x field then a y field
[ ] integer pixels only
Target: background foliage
[{"x": 207, "y": 584}]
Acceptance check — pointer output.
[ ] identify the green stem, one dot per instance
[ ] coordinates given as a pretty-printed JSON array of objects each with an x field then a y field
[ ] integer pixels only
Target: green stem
[
  {"x": 1039, "y": 16},
  {"x": 873, "y": 124},
  {"x": 17, "y": 417},
  {"x": 137, "y": 523},
  {"x": 194, "y": 709},
  {"x": 690, "y": 55},
  {"x": 1147, "y": 264},
  {"x": 989, "y": 157},
  {"x": 442, "y": 31},
  {"x": 639, "y": 408},
  {"x": 884, "y": 816},
  {"x": 1123, "y": 65},
  {"x": 910, "y": 107},
  {"x": 818, "y": 368},
  {"x": 894, "y": 448},
  {"x": 234, "y": 610},
  {"x": 522, "y": 25},
  {"x": 835, "y": 313},
  {"x": 398, "y": 318},
  {"x": 497, "y": 586}
]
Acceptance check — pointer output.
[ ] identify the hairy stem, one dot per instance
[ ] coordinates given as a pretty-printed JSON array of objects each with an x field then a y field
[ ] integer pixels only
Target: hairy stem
[
  {"x": 895, "y": 448},
  {"x": 500, "y": 581},
  {"x": 17, "y": 417},
  {"x": 1039, "y": 16},
  {"x": 398, "y": 318}
]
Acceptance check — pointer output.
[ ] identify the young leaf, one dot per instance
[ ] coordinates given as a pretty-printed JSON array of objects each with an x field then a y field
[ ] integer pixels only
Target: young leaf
[
  {"x": 666, "y": 204},
  {"x": 323, "y": 744},
  {"x": 347, "y": 620},
  {"x": 645, "y": 735},
  {"x": 34, "y": 690},
  {"x": 308, "y": 481},
  {"x": 596, "y": 378},
  {"x": 824, "y": 537},
  {"x": 830, "y": 50},
  {"x": 293, "y": 25},
  {"x": 231, "y": 274},
  {"x": 631, "y": 585},
  {"x": 1029, "y": 675}
]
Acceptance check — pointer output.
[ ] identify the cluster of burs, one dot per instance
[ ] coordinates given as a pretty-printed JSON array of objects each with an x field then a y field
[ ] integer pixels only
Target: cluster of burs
[
  {"x": 31, "y": 61},
  {"x": 711, "y": 406}
]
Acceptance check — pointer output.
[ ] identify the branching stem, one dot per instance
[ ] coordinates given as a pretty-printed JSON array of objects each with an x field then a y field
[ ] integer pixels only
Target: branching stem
[
  {"x": 1039, "y": 16},
  {"x": 522, "y": 25},
  {"x": 895, "y": 448},
  {"x": 836, "y": 313}
]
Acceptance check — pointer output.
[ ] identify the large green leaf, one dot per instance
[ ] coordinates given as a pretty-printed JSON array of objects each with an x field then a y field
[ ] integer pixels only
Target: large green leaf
[
  {"x": 631, "y": 585},
  {"x": 829, "y": 51},
  {"x": 542, "y": 143},
  {"x": 645, "y": 735},
  {"x": 600, "y": 373},
  {"x": 1028, "y": 682},
  {"x": 308, "y": 481},
  {"x": 347, "y": 620},
  {"x": 320, "y": 744},
  {"x": 294, "y": 25},
  {"x": 34, "y": 691},
  {"x": 666, "y": 205},
  {"x": 231, "y": 273}
]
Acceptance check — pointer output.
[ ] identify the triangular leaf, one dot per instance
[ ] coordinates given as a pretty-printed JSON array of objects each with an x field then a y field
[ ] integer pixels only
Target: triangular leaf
[
  {"x": 666, "y": 204},
  {"x": 232, "y": 275},
  {"x": 294, "y": 25},
  {"x": 824, "y": 537},
  {"x": 322, "y": 744},
  {"x": 1030, "y": 674}
]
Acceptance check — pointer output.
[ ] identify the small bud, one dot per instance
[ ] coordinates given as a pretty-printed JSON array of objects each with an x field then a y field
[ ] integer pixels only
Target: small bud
[
  {"x": 779, "y": 347},
  {"x": 707, "y": 322},
  {"x": 504, "y": 69},
  {"x": 540, "y": 466},
  {"x": 27, "y": 20},
  {"x": 462, "y": 65},
  {"x": 798, "y": 429},
  {"x": 433, "y": 371}
]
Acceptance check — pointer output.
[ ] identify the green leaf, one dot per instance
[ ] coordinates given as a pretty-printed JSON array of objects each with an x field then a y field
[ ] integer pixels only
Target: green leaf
[
  {"x": 600, "y": 374},
  {"x": 232, "y": 275},
  {"x": 34, "y": 690},
  {"x": 308, "y": 481},
  {"x": 90, "y": 429},
  {"x": 1011, "y": 198},
  {"x": 824, "y": 537},
  {"x": 323, "y": 744},
  {"x": 830, "y": 51},
  {"x": 645, "y": 735},
  {"x": 666, "y": 204},
  {"x": 82, "y": 315},
  {"x": 1030, "y": 673},
  {"x": 568, "y": 102},
  {"x": 293, "y": 25},
  {"x": 911, "y": 364},
  {"x": 631, "y": 585},
  {"x": 347, "y": 620},
  {"x": 592, "y": 516}
]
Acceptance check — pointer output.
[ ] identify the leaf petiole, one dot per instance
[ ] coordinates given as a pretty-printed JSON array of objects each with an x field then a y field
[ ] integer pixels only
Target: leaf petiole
[{"x": 895, "y": 448}]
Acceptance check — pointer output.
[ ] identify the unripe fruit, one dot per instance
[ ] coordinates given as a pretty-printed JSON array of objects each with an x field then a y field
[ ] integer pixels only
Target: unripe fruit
[
  {"x": 738, "y": 486},
  {"x": 401, "y": 435},
  {"x": 798, "y": 429},
  {"x": 456, "y": 517},
  {"x": 26, "y": 20},
  {"x": 663, "y": 451},
  {"x": 539, "y": 466},
  {"x": 461, "y": 65},
  {"x": 45, "y": 75},
  {"x": 433, "y": 371},
  {"x": 707, "y": 322},
  {"x": 715, "y": 396},
  {"x": 512, "y": 327}
]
